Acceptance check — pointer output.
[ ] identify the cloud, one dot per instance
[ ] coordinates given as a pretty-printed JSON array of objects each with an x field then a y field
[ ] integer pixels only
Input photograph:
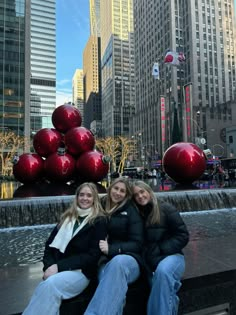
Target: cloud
[
  {"x": 63, "y": 82},
  {"x": 63, "y": 96}
]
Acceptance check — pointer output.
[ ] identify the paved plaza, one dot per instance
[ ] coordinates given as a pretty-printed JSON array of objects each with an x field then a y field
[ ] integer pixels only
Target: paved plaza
[{"x": 211, "y": 249}]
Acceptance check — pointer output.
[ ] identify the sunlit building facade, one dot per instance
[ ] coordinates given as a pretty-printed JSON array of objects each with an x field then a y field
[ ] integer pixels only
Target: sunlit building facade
[
  {"x": 92, "y": 85},
  {"x": 15, "y": 66},
  {"x": 205, "y": 32},
  {"x": 43, "y": 63},
  {"x": 117, "y": 66},
  {"x": 78, "y": 92}
]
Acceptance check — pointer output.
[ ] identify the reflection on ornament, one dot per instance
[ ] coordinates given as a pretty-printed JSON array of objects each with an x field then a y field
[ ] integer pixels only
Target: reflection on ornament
[
  {"x": 91, "y": 166},
  {"x": 47, "y": 141},
  {"x": 79, "y": 140},
  {"x": 184, "y": 162},
  {"x": 66, "y": 117},
  {"x": 59, "y": 167},
  {"x": 29, "y": 168}
]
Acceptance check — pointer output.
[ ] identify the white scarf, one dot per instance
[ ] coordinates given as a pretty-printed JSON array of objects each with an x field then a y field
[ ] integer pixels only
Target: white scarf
[{"x": 65, "y": 233}]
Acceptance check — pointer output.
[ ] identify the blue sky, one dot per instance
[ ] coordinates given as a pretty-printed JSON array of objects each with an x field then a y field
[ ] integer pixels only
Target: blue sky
[{"x": 72, "y": 33}]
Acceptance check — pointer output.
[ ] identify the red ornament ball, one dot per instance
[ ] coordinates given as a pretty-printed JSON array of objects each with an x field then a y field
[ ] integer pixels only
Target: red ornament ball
[
  {"x": 184, "y": 162},
  {"x": 28, "y": 168},
  {"x": 92, "y": 166},
  {"x": 47, "y": 141},
  {"x": 79, "y": 140},
  {"x": 59, "y": 167},
  {"x": 66, "y": 117}
]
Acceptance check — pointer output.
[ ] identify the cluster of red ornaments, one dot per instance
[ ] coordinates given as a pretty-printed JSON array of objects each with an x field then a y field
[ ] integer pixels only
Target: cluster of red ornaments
[{"x": 62, "y": 154}]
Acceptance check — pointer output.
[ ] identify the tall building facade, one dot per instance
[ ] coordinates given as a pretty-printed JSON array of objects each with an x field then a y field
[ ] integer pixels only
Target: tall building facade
[
  {"x": 117, "y": 66},
  {"x": 78, "y": 91},
  {"x": 205, "y": 31},
  {"x": 94, "y": 10},
  {"x": 15, "y": 66},
  {"x": 92, "y": 85},
  {"x": 92, "y": 72},
  {"x": 43, "y": 63}
]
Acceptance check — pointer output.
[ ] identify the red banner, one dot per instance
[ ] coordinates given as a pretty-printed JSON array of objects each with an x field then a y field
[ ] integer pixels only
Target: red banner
[{"x": 163, "y": 124}]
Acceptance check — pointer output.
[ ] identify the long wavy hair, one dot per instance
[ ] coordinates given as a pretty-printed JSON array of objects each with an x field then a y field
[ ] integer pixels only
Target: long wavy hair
[
  {"x": 154, "y": 216},
  {"x": 97, "y": 209},
  {"x": 109, "y": 209}
]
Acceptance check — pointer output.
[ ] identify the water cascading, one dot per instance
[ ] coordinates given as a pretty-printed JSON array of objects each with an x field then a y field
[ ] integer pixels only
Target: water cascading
[{"x": 47, "y": 210}]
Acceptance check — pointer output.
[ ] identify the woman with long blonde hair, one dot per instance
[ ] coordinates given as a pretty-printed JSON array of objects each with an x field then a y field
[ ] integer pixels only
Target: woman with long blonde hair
[
  {"x": 121, "y": 260},
  {"x": 165, "y": 237},
  {"x": 71, "y": 253}
]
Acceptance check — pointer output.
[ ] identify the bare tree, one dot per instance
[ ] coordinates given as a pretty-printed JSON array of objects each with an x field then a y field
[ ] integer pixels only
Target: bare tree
[
  {"x": 10, "y": 145},
  {"x": 126, "y": 149},
  {"x": 109, "y": 146},
  {"x": 117, "y": 148}
]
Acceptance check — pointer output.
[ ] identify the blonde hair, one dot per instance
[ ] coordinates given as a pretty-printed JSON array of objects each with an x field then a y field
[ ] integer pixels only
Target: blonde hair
[
  {"x": 97, "y": 209},
  {"x": 108, "y": 204},
  {"x": 154, "y": 216}
]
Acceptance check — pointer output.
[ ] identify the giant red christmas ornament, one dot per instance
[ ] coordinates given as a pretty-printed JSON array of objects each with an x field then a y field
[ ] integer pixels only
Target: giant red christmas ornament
[
  {"x": 184, "y": 162},
  {"x": 78, "y": 140},
  {"x": 66, "y": 117},
  {"x": 59, "y": 167},
  {"x": 92, "y": 166},
  {"x": 47, "y": 141},
  {"x": 28, "y": 168}
]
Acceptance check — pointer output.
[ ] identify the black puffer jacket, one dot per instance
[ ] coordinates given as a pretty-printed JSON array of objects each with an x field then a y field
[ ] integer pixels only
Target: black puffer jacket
[
  {"x": 125, "y": 232},
  {"x": 82, "y": 252},
  {"x": 164, "y": 239}
]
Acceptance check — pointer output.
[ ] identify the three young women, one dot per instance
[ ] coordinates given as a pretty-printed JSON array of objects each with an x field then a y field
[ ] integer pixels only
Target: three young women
[
  {"x": 165, "y": 237},
  {"x": 71, "y": 253},
  {"x": 120, "y": 263}
]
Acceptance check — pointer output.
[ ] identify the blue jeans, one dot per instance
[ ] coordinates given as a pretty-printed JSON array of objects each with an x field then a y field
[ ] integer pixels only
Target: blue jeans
[
  {"x": 166, "y": 282},
  {"x": 114, "y": 277},
  {"x": 48, "y": 295}
]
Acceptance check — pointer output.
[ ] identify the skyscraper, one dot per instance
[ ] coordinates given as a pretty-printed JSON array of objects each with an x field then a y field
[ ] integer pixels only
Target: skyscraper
[
  {"x": 94, "y": 8},
  {"x": 43, "y": 63},
  {"x": 92, "y": 72},
  {"x": 78, "y": 92},
  {"x": 15, "y": 66},
  {"x": 205, "y": 32},
  {"x": 117, "y": 67}
]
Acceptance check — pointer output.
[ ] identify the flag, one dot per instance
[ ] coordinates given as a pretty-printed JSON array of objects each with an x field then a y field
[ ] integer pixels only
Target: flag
[
  {"x": 155, "y": 71},
  {"x": 174, "y": 58}
]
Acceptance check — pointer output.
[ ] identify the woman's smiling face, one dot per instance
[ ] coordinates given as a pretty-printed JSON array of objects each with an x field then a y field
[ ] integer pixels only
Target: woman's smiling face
[
  {"x": 85, "y": 198},
  {"x": 141, "y": 196},
  {"x": 118, "y": 193}
]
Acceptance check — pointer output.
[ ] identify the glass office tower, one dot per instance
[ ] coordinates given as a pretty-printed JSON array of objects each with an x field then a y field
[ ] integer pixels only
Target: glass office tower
[{"x": 14, "y": 66}]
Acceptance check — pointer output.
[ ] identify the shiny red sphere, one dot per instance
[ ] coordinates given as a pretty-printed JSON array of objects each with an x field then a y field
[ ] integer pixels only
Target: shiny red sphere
[
  {"x": 79, "y": 140},
  {"x": 29, "y": 168},
  {"x": 66, "y": 117},
  {"x": 47, "y": 141},
  {"x": 184, "y": 162},
  {"x": 90, "y": 166},
  {"x": 59, "y": 167}
]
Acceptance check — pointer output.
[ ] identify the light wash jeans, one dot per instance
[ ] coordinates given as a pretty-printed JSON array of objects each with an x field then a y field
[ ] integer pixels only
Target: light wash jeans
[
  {"x": 166, "y": 282},
  {"x": 48, "y": 294},
  {"x": 114, "y": 277}
]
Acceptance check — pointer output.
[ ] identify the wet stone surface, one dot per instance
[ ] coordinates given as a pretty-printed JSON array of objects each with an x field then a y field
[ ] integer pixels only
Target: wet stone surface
[{"x": 24, "y": 245}]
